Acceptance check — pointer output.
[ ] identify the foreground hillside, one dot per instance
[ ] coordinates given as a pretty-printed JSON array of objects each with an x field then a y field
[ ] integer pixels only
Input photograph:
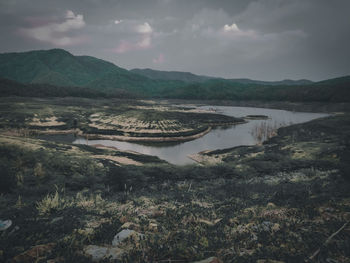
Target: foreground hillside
[{"x": 287, "y": 200}]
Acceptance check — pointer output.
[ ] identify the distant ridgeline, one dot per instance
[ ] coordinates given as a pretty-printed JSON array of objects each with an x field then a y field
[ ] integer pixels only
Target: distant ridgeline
[{"x": 57, "y": 73}]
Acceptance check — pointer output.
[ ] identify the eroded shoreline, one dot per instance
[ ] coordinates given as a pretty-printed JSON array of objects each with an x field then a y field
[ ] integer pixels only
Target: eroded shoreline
[{"x": 121, "y": 137}]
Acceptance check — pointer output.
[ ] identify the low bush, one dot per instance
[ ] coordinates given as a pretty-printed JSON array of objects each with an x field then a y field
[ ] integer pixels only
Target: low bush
[{"x": 7, "y": 177}]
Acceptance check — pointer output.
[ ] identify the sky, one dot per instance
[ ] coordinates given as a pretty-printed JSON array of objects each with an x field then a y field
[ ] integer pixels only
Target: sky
[{"x": 257, "y": 39}]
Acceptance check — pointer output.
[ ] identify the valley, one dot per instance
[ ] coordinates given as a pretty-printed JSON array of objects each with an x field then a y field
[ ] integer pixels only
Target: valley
[
  {"x": 103, "y": 164},
  {"x": 276, "y": 200}
]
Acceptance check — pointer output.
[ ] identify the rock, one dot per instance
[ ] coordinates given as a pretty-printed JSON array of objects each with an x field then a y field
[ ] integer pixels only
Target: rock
[
  {"x": 98, "y": 253},
  {"x": 33, "y": 254},
  {"x": 124, "y": 234},
  {"x": 209, "y": 260},
  {"x": 5, "y": 224}
]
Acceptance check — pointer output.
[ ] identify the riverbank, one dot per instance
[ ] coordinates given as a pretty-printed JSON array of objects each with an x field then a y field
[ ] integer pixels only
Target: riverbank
[
  {"x": 130, "y": 121},
  {"x": 283, "y": 201},
  {"x": 278, "y": 201},
  {"x": 153, "y": 138},
  {"x": 145, "y": 139},
  {"x": 326, "y": 107}
]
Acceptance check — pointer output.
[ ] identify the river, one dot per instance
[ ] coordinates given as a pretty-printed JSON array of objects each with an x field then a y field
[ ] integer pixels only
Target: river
[{"x": 218, "y": 138}]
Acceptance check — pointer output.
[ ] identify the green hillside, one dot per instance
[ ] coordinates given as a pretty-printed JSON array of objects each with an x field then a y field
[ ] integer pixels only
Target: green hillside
[
  {"x": 13, "y": 88},
  {"x": 171, "y": 75},
  {"x": 55, "y": 66},
  {"x": 337, "y": 90},
  {"x": 135, "y": 84},
  {"x": 61, "y": 69},
  {"x": 287, "y": 82},
  {"x": 192, "y": 78}
]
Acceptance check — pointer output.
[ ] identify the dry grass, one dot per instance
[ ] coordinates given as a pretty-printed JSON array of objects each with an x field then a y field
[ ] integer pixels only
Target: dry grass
[
  {"x": 47, "y": 122},
  {"x": 118, "y": 159},
  {"x": 39, "y": 170},
  {"x": 264, "y": 131},
  {"x": 51, "y": 203},
  {"x": 126, "y": 123},
  {"x": 58, "y": 201}
]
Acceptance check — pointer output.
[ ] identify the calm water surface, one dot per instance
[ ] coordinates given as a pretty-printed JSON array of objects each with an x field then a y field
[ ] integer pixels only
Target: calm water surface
[{"x": 218, "y": 138}]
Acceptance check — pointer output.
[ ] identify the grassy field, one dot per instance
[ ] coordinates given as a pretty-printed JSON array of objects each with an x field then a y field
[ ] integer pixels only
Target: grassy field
[{"x": 286, "y": 200}]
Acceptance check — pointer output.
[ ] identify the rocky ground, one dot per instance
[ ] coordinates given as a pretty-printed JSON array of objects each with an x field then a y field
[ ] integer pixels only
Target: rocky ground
[{"x": 287, "y": 200}]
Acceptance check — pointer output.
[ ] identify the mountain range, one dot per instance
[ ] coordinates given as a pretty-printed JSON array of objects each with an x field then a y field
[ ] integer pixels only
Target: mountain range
[
  {"x": 46, "y": 72},
  {"x": 190, "y": 78}
]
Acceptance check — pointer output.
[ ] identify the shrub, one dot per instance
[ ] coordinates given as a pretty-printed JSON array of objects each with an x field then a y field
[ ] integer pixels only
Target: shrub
[
  {"x": 7, "y": 177},
  {"x": 39, "y": 170},
  {"x": 51, "y": 203},
  {"x": 264, "y": 131}
]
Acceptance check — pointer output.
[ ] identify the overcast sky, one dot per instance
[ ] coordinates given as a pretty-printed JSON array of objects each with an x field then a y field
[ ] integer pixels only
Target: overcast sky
[{"x": 261, "y": 39}]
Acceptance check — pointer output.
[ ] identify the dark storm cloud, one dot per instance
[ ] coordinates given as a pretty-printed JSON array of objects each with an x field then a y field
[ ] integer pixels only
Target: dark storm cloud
[{"x": 262, "y": 39}]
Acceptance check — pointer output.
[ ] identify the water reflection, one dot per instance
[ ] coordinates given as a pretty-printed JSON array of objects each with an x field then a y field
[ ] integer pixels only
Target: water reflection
[{"x": 219, "y": 138}]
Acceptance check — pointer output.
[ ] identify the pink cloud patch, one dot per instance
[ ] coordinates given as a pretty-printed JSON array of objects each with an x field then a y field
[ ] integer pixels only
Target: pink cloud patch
[
  {"x": 123, "y": 47},
  {"x": 126, "y": 46},
  {"x": 55, "y": 33},
  {"x": 144, "y": 40}
]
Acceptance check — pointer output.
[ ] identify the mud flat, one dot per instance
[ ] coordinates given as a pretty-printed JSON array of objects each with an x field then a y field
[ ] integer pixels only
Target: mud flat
[
  {"x": 146, "y": 139},
  {"x": 256, "y": 117}
]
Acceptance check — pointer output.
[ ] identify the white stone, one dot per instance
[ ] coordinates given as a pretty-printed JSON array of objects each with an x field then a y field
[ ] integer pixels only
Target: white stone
[
  {"x": 98, "y": 253},
  {"x": 124, "y": 234}
]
